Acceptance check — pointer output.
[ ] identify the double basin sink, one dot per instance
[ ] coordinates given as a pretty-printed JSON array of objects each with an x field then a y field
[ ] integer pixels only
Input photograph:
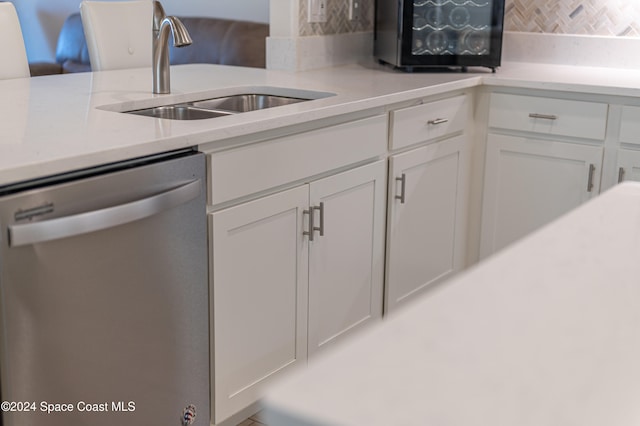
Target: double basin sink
[{"x": 217, "y": 107}]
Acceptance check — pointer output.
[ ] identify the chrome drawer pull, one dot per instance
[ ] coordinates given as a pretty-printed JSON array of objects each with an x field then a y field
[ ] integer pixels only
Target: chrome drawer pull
[
  {"x": 620, "y": 174},
  {"x": 543, "y": 116},
  {"x": 403, "y": 181},
  {"x": 438, "y": 121}
]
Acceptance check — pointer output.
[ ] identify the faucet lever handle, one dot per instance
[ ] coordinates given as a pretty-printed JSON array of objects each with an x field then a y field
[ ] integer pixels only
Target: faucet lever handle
[{"x": 158, "y": 15}]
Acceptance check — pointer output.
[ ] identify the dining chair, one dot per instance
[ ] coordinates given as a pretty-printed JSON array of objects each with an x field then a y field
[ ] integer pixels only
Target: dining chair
[
  {"x": 118, "y": 33},
  {"x": 14, "y": 56}
]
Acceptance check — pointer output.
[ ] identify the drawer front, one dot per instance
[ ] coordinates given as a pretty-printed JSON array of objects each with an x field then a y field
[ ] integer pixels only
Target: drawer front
[
  {"x": 630, "y": 126},
  {"x": 261, "y": 166},
  {"x": 428, "y": 121},
  {"x": 548, "y": 116}
]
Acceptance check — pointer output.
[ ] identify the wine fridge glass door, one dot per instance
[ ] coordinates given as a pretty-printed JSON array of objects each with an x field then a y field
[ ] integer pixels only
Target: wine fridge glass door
[{"x": 451, "y": 27}]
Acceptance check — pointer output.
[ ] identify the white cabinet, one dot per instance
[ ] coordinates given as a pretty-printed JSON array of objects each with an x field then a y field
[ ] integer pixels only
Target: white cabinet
[
  {"x": 628, "y": 160},
  {"x": 544, "y": 157},
  {"x": 291, "y": 273},
  {"x": 628, "y": 165},
  {"x": 426, "y": 228},
  {"x": 549, "y": 116},
  {"x": 258, "y": 167},
  {"x": 428, "y": 192},
  {"x": 630, "y": 125},
  {"x": 428, "y": 121},
  {"x": 346, "y": 260},
  {"x": 529, "y": 182},
  {"x": 258, "y": 296}
]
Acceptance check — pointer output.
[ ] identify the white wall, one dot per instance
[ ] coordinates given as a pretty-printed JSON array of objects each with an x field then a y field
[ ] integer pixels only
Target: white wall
[
  {"x": 247, "y": 10},
  {"x": 41, "y": 20}
]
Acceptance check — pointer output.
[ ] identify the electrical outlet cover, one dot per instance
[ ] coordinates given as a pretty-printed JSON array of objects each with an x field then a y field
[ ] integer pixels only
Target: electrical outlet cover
[
  {"x": 354, "y": 10},
  {"x": 317, "y": 11}
]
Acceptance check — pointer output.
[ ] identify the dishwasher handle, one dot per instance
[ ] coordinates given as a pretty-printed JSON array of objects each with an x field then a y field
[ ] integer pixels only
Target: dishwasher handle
[{"x": 78, "y": 224}]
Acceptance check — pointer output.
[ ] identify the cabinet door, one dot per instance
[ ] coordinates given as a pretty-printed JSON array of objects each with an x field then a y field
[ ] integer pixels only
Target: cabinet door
[
  {"x": 426, "y": 228},
  {"x": 259, "y": 296},
  {"x": 628, "y": 165},
  {"x": 530, "y": 182},
  {"x": 346, "y": 261}
]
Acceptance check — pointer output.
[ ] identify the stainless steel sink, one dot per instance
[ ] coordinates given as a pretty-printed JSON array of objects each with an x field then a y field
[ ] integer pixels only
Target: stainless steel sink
[
  {"x": 247, "y": 102},
  {"x": 179, "y": 112},
  {"x": 217, "y": 107}
]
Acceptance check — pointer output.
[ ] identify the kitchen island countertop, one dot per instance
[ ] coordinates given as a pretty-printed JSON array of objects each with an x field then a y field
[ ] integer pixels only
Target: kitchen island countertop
[
  {"x": 54, "y": 124},
  {"x": 544, "y": 333}
]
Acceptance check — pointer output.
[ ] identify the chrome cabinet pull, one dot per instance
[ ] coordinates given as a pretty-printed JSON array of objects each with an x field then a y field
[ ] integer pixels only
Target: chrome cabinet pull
[
  {"x": 403, "y": 182},
  {"x": 592, "y": 169},
  {"x": 312, "y": 221},
  {"x": 321, "y": 227},
  {"x": 620, "y": 174},
  {"x": 311, "y": 227},
  {"x": 438, "y": 121},
  {"x": 543, "y": 116}
]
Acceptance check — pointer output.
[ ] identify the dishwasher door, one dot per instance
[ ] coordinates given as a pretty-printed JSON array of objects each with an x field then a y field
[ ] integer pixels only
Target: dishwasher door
[{"x": 104, "y": 298}]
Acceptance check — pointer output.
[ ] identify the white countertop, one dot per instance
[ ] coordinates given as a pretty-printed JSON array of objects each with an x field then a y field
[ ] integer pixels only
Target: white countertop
[
  {"x": 55, "y": 124},
  {"x": 545, "y": 333}
]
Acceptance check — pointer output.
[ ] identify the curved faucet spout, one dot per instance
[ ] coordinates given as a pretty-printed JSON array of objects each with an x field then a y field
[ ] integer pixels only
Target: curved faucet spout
[
  {"x": 162, "y": 26},
  {"x": 181, "y": 36}
]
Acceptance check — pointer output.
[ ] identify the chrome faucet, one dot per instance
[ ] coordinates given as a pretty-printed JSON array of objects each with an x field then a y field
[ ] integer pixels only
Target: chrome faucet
[{"x": 162, "y": 24}]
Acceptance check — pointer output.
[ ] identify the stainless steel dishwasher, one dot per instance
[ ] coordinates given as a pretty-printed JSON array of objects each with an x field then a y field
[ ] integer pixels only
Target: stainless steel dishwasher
[{"x": 104, "y": 296}]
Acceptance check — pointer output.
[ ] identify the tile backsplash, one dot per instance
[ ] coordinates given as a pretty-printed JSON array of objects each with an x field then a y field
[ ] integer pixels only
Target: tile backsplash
[
  {"x": 337, "y": 18},
  {"x": 582, "y": 17}
]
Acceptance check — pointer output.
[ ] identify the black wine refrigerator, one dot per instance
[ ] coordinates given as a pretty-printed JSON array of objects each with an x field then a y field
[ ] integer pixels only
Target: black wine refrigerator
[{"x": 415, "y": 34}]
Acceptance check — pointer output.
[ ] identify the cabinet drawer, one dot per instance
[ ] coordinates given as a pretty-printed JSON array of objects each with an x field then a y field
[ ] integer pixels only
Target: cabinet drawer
[
  {"x": 428, "y": 121},
  {"x": 548, "y": 116},
  {"x": 630, "y": 126},
  {"x": 250, "y": 169}
]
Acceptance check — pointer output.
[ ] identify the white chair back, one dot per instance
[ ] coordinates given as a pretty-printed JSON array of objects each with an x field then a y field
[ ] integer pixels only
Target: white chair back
[
  {"x": 118, "y": 33},
  {"x": 14, "y": 56}
]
